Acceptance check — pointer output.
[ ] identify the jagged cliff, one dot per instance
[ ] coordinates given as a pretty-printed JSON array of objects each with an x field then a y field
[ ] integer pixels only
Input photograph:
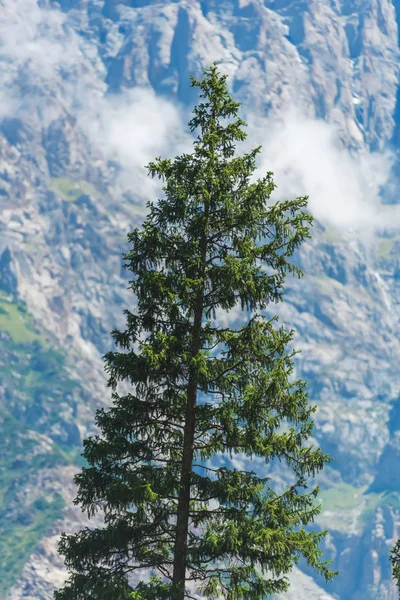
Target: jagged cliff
[{"x": 90, "y": 91}]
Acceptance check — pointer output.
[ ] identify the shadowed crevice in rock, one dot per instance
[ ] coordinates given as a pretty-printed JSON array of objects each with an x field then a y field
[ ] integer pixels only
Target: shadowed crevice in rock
[
  {"x": 179, "y": 66},
  {"x": 8, "y": 276},
  {"x": 16, "y": 131},
  {"x": 293, "y": 14},
  {"x": 387, "y": 476},
  {"x": 353, "y": 29},
  {"x": 388, "y": 473}
]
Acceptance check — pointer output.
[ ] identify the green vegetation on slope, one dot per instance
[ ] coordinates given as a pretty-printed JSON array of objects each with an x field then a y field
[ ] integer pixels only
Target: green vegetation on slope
[
  {"x": 15, "y": 321},
  {"x": 21, "y": 536},
  {"x": 348, "y": 508},
  {"x": 71, "y": 190},
  {"x": 385, "y": 246},
  {"x": 25, "y": 513},
  {"x": 37, "y": 432}
]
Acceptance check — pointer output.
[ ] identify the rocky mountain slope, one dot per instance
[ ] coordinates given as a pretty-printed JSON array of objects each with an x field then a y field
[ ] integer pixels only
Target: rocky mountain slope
[{"x": 93, "y": 89}]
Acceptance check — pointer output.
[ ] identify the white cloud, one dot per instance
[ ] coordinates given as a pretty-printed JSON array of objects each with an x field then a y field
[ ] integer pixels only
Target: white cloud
[
  {"x": 35, "y": 38},
  {"x": 307, "y": 158},
  {"x": 45, "y": 66},
  {"x": 31, "y": 33},
  {"x": 133, "y": 128}
]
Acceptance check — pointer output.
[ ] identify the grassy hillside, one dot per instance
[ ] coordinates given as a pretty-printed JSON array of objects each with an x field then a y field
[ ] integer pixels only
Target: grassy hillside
[{"x": 37, "y": 433}]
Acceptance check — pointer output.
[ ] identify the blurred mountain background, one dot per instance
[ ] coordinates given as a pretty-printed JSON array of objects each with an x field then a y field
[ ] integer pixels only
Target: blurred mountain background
[{"x": 90, "y": 92}]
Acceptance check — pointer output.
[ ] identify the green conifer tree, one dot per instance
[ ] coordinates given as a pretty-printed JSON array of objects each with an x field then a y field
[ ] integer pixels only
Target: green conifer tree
[
  {"x": 201, "y": 393},
  {"x": 395, "y": 560}
]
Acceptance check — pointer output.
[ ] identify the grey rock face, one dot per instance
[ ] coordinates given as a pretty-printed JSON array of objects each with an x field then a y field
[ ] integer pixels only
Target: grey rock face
[
  {"x": 63, "y": 221},
  {"x": 336, "y": 60}
]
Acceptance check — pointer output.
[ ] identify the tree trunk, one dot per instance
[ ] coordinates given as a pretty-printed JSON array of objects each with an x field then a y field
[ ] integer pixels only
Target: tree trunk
[{"x": 182, "y": 523}]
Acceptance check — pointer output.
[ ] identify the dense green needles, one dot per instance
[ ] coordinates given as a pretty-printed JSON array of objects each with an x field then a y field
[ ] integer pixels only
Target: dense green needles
[
  {"x": 201, "y": 393},
  {"x": 395, "y": 560}
]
